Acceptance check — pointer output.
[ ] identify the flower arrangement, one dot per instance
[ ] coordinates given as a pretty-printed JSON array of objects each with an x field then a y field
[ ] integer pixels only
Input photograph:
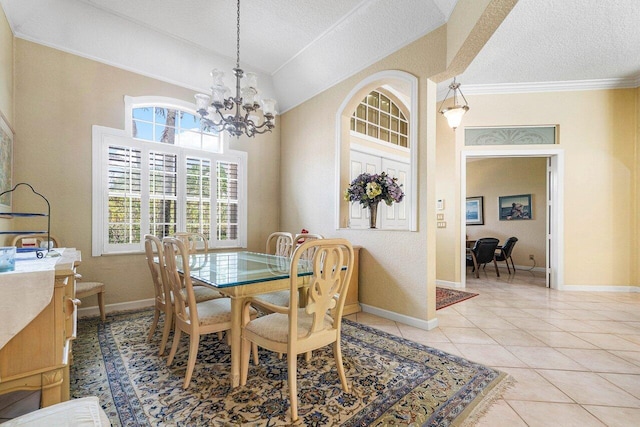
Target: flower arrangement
[{"x": 370, "y": 189}]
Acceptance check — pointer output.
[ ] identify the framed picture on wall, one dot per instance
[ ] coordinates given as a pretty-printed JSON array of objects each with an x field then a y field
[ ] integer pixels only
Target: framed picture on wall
[
  {"x": 513, "y": 208},
  {"x": 474, "y": 210},
  {"x": 6, "y": 162}
]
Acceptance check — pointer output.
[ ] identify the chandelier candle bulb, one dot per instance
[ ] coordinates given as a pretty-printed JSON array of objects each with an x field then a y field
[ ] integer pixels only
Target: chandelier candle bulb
[
  {"x": 269, "y": 107},
  {"x": 251, "y": 80}
]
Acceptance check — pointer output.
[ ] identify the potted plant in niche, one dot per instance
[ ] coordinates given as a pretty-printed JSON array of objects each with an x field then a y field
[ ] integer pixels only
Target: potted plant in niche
[{"x": 371, "y": 189}]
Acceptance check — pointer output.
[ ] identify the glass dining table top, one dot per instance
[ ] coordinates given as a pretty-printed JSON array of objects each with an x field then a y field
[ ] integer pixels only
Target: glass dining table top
[{"x": 226, "y": 269}]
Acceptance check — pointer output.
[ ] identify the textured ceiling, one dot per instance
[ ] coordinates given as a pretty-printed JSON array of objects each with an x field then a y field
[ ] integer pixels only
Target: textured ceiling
[
  {"x": 302, "y": 47},
  {"x": 556, "y": 44}
]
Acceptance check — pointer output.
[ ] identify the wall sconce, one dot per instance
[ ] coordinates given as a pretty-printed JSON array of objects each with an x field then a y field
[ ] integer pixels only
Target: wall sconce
[{"x": 454, "y": 113}]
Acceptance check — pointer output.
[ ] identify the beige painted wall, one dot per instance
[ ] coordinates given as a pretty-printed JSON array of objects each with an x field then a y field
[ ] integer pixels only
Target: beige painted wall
[
  {"x": 598, "y": 131},
  {"x": 59, "y": 97},
  {"x": 393, "y": 264},
  {"x": 6, "y": 68},
  {"x": 492, "y": 178}
]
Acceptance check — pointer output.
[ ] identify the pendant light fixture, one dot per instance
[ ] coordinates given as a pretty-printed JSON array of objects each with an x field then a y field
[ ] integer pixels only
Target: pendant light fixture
[
  {"x": 454, "y": 113},
  {"x": 236, "y": 114}
]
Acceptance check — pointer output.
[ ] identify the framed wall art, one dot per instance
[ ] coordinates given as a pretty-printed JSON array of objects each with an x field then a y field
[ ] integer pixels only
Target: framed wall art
[
  {"x": 474, "y": 210},
  {"x": 6, "y": 162},
  {"x": 512, "y": 208}
]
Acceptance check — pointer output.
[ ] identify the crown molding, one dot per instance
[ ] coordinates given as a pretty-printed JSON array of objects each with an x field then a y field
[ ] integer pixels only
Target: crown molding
[{"x": 563, "y": 86}]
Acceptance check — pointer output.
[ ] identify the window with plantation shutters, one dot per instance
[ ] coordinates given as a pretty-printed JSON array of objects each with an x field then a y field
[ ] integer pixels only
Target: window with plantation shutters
[
  {"x": 163, "y": 193},
  {"x": 124, "y": 195},
  {"x": 227, "y": 201},
  {"x": 198, "y": 194},
  {"x": 161, "y": 176}
]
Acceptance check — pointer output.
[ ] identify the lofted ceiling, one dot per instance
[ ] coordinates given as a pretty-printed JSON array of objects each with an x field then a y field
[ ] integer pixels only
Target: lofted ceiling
[{"x": 302, "y": 47}]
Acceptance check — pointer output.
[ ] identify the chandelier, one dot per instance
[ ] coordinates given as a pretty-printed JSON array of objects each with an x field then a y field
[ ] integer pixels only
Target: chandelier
[
  {"x": 454, "y": 113},
  {"x": 236, "y": 114}
]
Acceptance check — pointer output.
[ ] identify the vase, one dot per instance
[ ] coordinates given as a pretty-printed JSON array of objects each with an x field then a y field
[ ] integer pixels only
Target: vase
[{"x": 373, "y": 215}]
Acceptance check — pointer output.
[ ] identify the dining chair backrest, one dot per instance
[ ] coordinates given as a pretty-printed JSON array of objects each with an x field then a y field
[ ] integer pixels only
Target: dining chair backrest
[
  {"x": 327, "y": 291},
  {"x": 485, "y": 249},
  {"x": 508, "y": 246},
  {"x": 184, "y": 300},
  {"x": 280, "y": 243},
  {"x": 153, "y": 249},
  {"x": 299, "y": 239},
  {"x": 35, "y": 239},
  {"x": 193, "y": 241},
  {"x": 504, "y": 253}
]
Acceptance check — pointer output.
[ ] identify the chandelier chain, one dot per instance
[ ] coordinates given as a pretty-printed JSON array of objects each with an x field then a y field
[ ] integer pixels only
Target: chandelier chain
[{"x": 238, "y": 37}]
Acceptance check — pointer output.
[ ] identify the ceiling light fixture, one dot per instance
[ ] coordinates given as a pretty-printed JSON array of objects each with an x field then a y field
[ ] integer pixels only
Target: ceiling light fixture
[
  {"x": 454, "y": 113},
  {"x": 236, "y": 115}
]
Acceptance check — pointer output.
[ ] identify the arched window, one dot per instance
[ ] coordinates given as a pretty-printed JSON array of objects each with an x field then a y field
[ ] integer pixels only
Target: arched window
[
  {"x": 165, "y": 174},
  {"x": 376, "y": 132},
  {"x": 172, "y": 126},
  {"x": 378, "y": 116}
]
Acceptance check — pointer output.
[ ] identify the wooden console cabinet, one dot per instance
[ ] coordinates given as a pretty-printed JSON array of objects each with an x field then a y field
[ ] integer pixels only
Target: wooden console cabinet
[
  {"x": 352, "y": 304},
  {"x": 38, "y": 357}
]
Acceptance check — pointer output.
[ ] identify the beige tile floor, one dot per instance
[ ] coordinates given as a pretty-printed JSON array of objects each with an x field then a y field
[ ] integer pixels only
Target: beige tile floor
[{"x": 575, "y": 356}]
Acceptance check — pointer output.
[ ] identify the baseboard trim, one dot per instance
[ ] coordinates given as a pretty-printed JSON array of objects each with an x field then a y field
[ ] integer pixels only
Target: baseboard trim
[
  {"x": 113, "y": 308},
  {"x": 598, "y": 288},
  {"x": 447, "y": 284},
  {"x": 407, "y": 320},
  {"x": 427, "y": 325}
]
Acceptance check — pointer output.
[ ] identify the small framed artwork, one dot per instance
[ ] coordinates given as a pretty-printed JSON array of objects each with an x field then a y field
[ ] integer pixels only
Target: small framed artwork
[
  {"x": 6, "y": 163},
  {"x": 512, "y": 208},
  {"x": 474, "y": 210}
]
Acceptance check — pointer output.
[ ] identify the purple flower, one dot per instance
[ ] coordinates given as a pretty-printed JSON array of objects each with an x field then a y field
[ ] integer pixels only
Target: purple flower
[{"x": 386, "y": 188}]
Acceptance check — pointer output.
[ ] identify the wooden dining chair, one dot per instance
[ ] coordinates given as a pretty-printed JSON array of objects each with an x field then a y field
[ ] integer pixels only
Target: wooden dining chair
[
  {"x": 83, "y": 288},
  {"x": 282, "y": 297},
  {"x": 194, "y": 242},
  {"x": 295, "y": 330},
  {"x": 280, "y": 243},
  {"x": 163, "y": 301},
  {"x": 34, "y": 240},
  {"x": 305, "y": 237},
  {"x": 192, "y": 317}
]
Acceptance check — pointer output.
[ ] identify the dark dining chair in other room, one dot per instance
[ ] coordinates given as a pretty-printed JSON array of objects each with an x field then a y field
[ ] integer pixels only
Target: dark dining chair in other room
[
  {"x": 503, "y": 253},
  {"x": 483, "y": 252}
]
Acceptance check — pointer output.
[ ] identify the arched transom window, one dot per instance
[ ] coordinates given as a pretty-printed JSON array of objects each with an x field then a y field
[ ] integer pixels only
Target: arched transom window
[
  {"x": 378, "y": 116},
  {"x": 172, "y": 126}
]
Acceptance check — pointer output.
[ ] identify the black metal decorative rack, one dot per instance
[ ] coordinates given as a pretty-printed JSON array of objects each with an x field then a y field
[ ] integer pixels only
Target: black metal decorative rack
[{"x": 39, "y": 251}]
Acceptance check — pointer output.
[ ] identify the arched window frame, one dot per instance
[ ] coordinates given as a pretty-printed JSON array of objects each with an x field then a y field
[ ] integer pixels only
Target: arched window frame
[
  {"x": 343, "y": 117},
  {"x": 224, "y": 193},
  {"x": 367, "y": 121}
]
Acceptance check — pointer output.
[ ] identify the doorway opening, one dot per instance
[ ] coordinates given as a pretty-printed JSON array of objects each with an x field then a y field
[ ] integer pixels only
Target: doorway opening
[{"x": 554, "y": 233}]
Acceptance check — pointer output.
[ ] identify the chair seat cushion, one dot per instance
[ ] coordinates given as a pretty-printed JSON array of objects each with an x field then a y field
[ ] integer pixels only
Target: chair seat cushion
[
  {"x": 204, "y": 293},
  {"x": 280, "y": 298},
  {"x": 81, "y": 412},
  {"x": 217, "y": 311},
  {"x": 275, "y": 327},
  {"x": 88, "y": 288}
]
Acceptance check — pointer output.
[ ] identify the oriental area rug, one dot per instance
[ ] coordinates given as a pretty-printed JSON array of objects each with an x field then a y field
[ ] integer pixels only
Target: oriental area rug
[
  {"x": 392, "y": 381},
  {"x": 446, "y": 297}
]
